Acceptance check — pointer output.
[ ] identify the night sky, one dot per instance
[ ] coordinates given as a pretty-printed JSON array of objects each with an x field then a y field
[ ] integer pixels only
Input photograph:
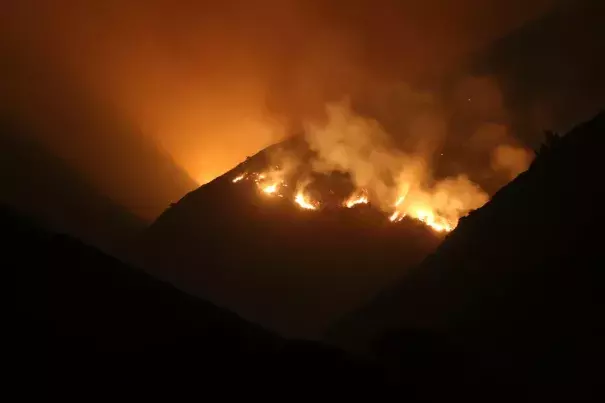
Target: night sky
[{"x": 212, "y": 82}]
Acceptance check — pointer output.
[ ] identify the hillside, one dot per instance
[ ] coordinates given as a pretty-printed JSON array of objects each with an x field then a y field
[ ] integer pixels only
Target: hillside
[
  {"x": 90, "y": 135},
  {"x": 87, "y": 323},
  {"x": 519, "y": 283},
  {"x": 289, "y": 268},
  {"x": 36, "y": 183}
]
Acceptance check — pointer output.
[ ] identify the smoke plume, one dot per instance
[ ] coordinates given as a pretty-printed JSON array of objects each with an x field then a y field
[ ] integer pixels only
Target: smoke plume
[
  {"x": 215, "y": 81},
  {"x": 511, "y": 160},
  {"x": 395, "y": 180}
]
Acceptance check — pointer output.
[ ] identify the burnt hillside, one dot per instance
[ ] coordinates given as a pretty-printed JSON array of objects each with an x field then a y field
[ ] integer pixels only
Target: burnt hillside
[
  {"x": 519, "y": 283},
  {"x": 83, "y": 323},
  {"x": 291, "y": 269}
]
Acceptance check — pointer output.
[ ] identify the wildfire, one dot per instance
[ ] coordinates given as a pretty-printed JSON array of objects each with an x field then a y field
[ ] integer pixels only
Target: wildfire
[
  {"x": 239, "y": 178},
  {"x": 270, "y": 184},
  {"x": 356, "y": 198},
  {"x": 398, "y": 183},
  {"x": 439, "y": 224},
  {"x": 304, "y": 202},
  {"x": 270, "y": 189},
  {"x": 427, "y": 217},
  {"x": 396, "y": 216}
]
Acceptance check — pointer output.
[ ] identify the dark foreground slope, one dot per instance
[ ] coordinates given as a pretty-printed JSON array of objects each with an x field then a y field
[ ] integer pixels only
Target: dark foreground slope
[
  {"x": 41, "y": 185},
  {"x": 520, "y": 283},
  {"x": 86, "y": 323},
  {"x": 290, "y": 269}
]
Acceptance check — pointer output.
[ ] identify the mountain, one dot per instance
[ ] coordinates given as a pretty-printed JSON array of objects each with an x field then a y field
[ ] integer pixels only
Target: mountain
[
  {"x": 518, "y": 284},
  {"x": 85, "y": 323},
  {"x": 41, "y": 185},
  {"x": 74, "y": 161},
  {"x": 91, "y": 135},
  {"x": 290, "y": 269}
]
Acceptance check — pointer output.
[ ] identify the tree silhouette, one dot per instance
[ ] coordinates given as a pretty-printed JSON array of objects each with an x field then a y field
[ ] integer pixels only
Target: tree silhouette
[{"x": 551, "y": 141}]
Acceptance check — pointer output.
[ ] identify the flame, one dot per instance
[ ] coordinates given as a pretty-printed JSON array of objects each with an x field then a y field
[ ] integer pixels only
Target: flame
[
  {"x": 356, "y": 198},
  {"x": 269, "y": 182},
  {"x": 399, "y": 201},
  {"x": 422, "y": 207},
  {"x": 437, "y": 223},
  {"x": 404, "y": 194},
  {"x": 417, "y": 204},
  {"x": 426, "y": 216},
  {"x": 270, "y": 189},
  {"x": 401, "y": 184},
  {"x": 396, "y": 216},
  {"x": 239, "y": 178},
  {"x": 304, "y": 202},
  {"x": 398, "y": 180}
]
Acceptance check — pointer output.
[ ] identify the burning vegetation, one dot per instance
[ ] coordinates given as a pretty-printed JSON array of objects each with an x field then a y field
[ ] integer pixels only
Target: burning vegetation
[
  {"x": 379, "y": 175},
  {"x": 301, "y": 198},
  {"x": 359, "y": 197}
]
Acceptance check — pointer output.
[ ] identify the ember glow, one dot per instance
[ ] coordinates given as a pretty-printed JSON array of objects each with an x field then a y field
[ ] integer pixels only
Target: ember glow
[
  {"x": 439, "y": 224},
  {"x": 270, "y": 189},
  {"x": 239, "y": 178},
  {"x": 403, "y": 207},
  {"x": 419, "y": 207},
  {"x": 427, "y": 217},
  {"x": 304, "y": 202},
  {"x": 269, "y": 183},
  {"x": 396, "y": 216},
  {"x": 357, "y": 198},
  {"x": 404, "y": 194},
  {"x": 397, "y": 183},
  {"x": 400, "y": 183}
]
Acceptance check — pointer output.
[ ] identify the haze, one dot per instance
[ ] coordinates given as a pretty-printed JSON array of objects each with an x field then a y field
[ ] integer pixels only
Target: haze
[{"x": 214, "y": 82}]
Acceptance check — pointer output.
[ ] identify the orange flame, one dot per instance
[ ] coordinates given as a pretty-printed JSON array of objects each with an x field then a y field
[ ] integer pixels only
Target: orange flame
[
  {"x": 421, "y": 210},
  {"x": 355, "y": 199},
  {"x": 416, "y": 207},
  {"x": 270, "y": 189},
  {"x": 396, "y": 216},
  {"x": 427, "y": 217},
  {"x": 239, "y": 178},
  {"x": 304, "y": 202},
  {"x": 439, "y": 224}
]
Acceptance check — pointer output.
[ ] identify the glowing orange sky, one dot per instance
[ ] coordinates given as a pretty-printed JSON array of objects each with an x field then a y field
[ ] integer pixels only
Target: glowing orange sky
[{"x": 214, "y": 82}]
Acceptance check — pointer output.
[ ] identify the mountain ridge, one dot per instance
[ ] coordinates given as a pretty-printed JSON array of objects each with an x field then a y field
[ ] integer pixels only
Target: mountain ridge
[
  {"x": 274, "y": 262},
  {"x": 519, "y": 282},
  {"x": 39, "y": 184}
]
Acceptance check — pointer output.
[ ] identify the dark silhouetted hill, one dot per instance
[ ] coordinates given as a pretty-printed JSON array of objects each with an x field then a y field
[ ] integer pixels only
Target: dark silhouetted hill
[
  {"x": 290, "y": 269},
  {"x": 36, "y": 183},
  {"x": 90, "y": 134},
  {"x": 88, "y": 325},
  {"x": 519, "y": 284}
]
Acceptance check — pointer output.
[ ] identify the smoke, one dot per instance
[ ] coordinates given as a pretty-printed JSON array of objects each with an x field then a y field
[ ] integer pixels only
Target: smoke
[
  {"x": 511, "y": 160},
  {"x": 395, "y": 180},
  {"x": 507, "y": 157},
  {"x": 213, "y": 81}
]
